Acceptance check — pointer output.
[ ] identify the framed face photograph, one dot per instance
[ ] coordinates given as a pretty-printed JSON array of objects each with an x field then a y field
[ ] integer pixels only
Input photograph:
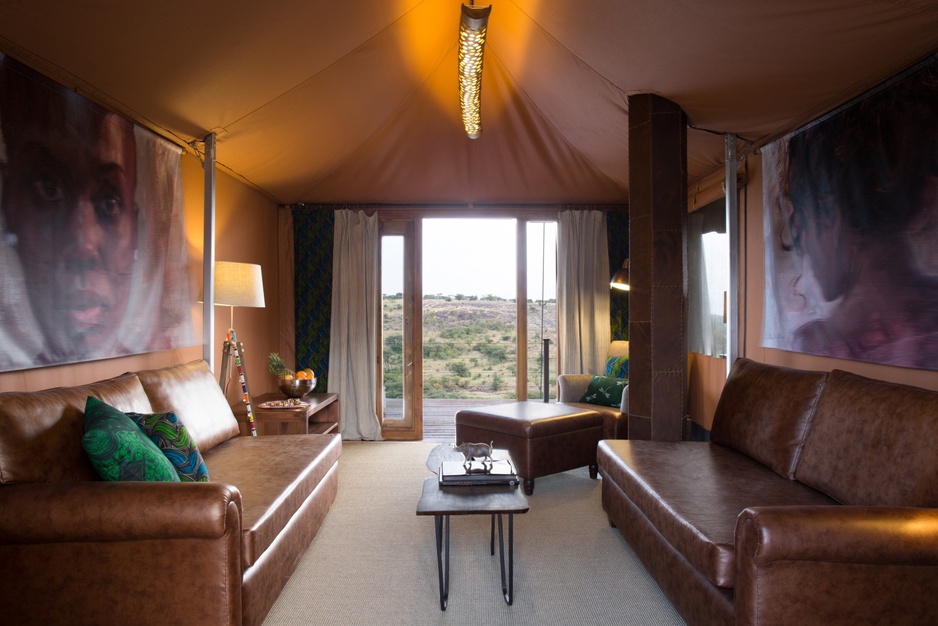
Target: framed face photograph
[
  {"x": 851, "y": 230},
  {"x": 91, "y": 215}
]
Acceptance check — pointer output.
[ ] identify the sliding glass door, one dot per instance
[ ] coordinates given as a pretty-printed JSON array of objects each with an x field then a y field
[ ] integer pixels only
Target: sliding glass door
[
  {"x": 400, "y": 377},
  {"x": 468, "y": 316}
]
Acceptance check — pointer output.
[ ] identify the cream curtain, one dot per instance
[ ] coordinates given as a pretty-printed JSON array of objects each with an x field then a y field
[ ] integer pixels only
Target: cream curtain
[
  {"x": 583, "y": 292},
  {"x": 352, "y": 350}
]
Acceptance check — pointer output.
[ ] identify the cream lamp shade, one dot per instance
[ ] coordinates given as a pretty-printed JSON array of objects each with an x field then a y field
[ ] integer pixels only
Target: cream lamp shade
[{"x": 238, "y": 284}]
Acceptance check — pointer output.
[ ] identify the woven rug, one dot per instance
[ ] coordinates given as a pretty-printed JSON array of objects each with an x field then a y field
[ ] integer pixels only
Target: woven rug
[{"x": 374, "y": 559}]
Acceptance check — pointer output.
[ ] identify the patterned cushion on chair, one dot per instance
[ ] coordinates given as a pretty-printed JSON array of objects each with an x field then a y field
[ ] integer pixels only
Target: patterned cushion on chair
[
  {"x": 605, "y": 391},
  {"x": 617, "y": 367}
]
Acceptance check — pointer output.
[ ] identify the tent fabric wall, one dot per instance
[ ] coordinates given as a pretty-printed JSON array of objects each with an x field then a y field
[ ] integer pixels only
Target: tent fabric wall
[{"x": 356, "y": 101}]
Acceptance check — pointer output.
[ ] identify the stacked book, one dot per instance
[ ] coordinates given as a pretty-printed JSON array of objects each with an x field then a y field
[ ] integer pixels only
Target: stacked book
[{"x": 476, "y": 473}]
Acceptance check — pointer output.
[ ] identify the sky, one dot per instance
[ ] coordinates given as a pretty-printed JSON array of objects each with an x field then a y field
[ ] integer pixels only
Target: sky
[{"x": 474, "y": 257}]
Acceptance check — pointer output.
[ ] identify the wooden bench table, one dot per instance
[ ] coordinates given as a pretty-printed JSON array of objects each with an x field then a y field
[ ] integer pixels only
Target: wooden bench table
[{"x": 320, "y": 417}]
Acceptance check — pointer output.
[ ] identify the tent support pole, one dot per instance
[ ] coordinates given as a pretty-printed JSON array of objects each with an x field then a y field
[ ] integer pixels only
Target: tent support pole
[
  {"x": 208, "y": 255},
  {"x": 732, "y": 229}
]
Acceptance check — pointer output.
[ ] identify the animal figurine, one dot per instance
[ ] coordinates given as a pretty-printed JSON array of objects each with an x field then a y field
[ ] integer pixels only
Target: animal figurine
[{"x": 475, "y": 451}]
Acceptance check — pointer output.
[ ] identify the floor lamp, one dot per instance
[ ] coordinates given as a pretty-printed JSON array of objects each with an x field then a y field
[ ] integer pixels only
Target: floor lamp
[
  {"x": 620, "y": 280},
  {"x": 237, "y": 284}
]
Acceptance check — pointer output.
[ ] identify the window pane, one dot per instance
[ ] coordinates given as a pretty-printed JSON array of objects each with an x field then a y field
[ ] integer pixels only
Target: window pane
[
  {"x": 392, "y": 327},
  {"x": 716, "y": 252},
  {"x": 542, "y": 307},
  {"x": 469, "y": 311}
]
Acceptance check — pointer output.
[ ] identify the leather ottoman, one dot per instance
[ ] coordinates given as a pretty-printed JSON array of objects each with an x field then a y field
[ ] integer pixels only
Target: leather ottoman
[{"x": 541, "y": 438}]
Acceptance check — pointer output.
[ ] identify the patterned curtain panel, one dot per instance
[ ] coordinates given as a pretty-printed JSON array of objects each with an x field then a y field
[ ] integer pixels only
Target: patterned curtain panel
[{"x": 313, "y": 231}]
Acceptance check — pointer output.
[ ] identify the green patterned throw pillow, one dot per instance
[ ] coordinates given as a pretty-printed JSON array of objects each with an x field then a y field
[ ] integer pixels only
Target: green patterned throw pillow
[
  {"x": 605, "y": 391},
  {"x": 171, "y": 437},
  {"x": 617, "y": 367},
  {"x": 118, "y": 449}
]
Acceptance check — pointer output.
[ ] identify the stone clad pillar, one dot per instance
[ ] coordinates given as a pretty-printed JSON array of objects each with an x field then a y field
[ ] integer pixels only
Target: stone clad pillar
[{"x": 658, "y": 264}]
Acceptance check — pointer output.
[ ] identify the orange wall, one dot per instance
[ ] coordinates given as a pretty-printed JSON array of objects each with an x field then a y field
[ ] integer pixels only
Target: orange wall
[
  {"x": 246, "y": 231},
  {"x": 706, "y": 375}
]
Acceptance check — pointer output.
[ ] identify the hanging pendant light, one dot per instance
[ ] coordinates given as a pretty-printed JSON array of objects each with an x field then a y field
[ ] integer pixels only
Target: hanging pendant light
[{"x": 473, "y": 24}]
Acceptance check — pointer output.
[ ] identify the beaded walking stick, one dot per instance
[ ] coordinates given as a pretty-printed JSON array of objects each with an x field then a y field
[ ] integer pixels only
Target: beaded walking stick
[{"x": 233, "y": 338}]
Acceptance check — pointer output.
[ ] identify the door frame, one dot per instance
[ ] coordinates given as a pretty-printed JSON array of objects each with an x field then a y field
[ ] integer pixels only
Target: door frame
[
  {"x": 407, "y": 222},
  {"x": 409, "y": 428}
]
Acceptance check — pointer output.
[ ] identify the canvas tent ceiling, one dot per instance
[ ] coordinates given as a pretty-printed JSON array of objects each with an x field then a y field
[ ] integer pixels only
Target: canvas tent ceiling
[{"x": 355, "y": 100}]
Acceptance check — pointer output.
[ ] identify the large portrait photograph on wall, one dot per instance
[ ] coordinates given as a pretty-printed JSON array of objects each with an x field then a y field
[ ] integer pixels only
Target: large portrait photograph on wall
[
  {"x": 93, "y": 249},
  {"x": 851, "y": 229}
]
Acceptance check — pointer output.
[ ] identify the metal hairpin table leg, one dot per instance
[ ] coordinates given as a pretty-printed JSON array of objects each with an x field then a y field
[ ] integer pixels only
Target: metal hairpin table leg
[
  {"x": 443, "y": 574},
  {"x": 507, "y": 590},
  {"x": 482, "y": 500}
]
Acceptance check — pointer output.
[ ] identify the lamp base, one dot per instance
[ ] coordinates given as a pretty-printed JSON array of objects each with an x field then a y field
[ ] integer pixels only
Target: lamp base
[{"x": 233, "y": 358}]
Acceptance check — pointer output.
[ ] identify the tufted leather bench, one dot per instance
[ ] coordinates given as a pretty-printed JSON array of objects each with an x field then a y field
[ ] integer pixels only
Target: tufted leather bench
[{"x": 541, "y": 438}]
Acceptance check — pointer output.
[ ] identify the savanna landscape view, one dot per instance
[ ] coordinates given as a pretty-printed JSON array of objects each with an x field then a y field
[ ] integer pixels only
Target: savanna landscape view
[{"x": 469, "y": 347}]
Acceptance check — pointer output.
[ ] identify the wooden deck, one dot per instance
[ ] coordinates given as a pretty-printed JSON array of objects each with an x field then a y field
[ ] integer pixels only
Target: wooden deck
[{"x": 439, "y": 416}]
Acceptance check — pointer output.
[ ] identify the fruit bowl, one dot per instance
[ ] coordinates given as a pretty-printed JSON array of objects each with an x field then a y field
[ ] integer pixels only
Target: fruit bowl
[{"x": 297, "y": 387}]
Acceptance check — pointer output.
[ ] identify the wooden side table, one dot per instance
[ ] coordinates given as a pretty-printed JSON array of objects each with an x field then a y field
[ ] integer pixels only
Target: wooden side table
[{"x": 320, "y": 417}]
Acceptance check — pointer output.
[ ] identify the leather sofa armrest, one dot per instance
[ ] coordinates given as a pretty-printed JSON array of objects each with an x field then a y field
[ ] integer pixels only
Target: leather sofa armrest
[
  {"x": 93, "y": 552},
  {"x": 836, "y": 564},
  {"x": 572, "y": 386},
  {"x": 116, "y": 511}
]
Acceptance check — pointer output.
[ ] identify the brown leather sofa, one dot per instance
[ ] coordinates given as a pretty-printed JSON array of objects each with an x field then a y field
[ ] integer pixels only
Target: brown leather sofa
[
  {"x": 815, "y": 502},
  {"x": 77, "y": 550}
]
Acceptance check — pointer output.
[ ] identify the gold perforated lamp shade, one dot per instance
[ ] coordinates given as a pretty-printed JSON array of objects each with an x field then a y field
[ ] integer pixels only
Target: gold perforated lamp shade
[
  {"x": 620, "y": 280},
  {"x": 473, "y": 24}
]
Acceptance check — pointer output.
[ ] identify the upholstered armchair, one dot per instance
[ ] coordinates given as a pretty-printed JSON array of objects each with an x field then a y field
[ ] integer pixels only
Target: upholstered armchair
[{"x": 572, "y": 388}]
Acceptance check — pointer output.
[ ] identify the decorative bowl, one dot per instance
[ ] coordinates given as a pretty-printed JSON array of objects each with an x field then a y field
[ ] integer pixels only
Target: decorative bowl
[{"x": 297, "y": 387}]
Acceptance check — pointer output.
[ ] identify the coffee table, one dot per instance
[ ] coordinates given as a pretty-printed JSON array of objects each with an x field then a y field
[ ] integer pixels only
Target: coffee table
[{"x": 494, "y": 500}]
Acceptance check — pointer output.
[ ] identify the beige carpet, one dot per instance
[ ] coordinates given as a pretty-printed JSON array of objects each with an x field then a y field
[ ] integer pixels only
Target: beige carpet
[{"x": 374, "y": 561}]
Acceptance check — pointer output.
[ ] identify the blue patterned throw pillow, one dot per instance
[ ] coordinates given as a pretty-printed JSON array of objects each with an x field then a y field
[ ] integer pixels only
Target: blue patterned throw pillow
[
  {"x": 171, "y": 437},
  {"x": 605, "y": 391},
  {"x": 617, "y": 367},
  {"x": 118, "y": 450}
]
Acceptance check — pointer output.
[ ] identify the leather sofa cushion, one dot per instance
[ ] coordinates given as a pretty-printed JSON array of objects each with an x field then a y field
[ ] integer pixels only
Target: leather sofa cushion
[
  {"x": 191, "y": 391},
  {"x": 693, "y": 492},
  {"x": 275, "y": 476},
  {"x": 873, "y": 443},
  {"x": 42, "y": 430},
  {"x": 764, "y": 412}
]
